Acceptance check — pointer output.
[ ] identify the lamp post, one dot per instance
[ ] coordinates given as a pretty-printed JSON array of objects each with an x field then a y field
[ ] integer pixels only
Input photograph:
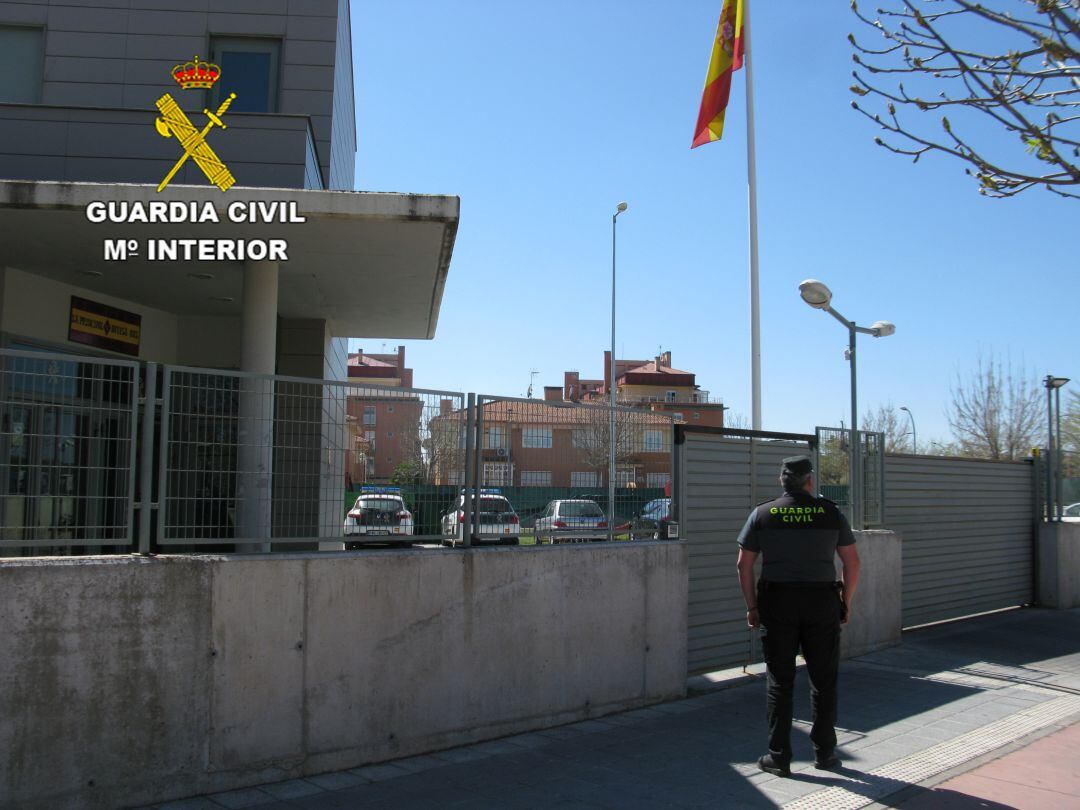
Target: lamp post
[
  {"x": 1053, "y": 454},
  {"x": 818, "y": 295},
  {"x": 914, "y": 444},
  {"x": 612, "y": 386}
]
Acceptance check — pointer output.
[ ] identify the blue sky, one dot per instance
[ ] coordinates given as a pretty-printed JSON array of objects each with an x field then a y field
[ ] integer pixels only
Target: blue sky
[{"x": 542, "y": 116}]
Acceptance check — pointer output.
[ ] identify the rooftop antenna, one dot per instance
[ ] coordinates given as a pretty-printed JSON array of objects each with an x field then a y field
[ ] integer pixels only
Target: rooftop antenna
[{"x": 532, "y": 376}]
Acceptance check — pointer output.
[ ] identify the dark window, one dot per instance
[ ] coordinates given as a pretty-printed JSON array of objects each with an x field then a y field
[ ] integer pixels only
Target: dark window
[
  {"x": 249, "y": 68},
  {"x": 21, "y": 57}
]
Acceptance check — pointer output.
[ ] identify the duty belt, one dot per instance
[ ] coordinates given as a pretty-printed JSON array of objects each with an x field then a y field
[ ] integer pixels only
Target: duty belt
[{"x": 766, "y": 585}]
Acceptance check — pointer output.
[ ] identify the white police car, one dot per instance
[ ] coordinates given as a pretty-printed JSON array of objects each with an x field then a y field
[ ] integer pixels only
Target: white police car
[{"x": 379, "y": 515}]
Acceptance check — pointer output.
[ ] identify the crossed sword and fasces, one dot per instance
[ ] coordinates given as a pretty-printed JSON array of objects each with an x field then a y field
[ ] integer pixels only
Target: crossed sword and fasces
[{"x": 174, "y": 122}]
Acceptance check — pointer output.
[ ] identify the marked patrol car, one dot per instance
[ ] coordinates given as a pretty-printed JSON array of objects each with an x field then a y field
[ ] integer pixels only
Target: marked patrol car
[
  {"x": 496, "y": 520},
  {"x": 378, "y": 515}
]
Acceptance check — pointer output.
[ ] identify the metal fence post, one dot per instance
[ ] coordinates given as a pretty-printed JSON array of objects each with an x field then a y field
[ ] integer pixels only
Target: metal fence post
[
  {"x": 146, "y": 458},
  {"x": 470, "y": 471}
]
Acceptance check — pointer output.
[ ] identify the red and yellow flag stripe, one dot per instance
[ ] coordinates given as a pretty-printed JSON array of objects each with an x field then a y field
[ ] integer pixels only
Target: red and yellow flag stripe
[{"x": 727, "y": 57}]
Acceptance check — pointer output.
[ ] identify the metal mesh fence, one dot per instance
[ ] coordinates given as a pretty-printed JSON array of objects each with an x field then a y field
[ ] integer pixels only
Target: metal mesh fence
[
  {"x": 833, "y": 466},
  {"x": 265, "y": 460},
  {"x": 549, "y": 462},
  {"x": 67, "y": 450},
  {"x": 834, "y": 472},
  {"x": 1070, "y": 483},
  {"x": 872, "y": 468}
]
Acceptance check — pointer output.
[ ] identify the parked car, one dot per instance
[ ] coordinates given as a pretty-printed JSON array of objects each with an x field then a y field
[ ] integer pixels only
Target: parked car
[
  {"x": 496, "y": 520},
  {"x": 572, "y": 521},
  {"x": 1071, "y": 513},
  {"x": 379, "y": 515},
  {"x": 654, "y": 521}
]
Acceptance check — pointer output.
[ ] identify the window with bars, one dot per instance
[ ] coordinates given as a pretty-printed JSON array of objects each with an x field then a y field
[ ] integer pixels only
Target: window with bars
[
  {"x": 369, "y": 414},
  {"x": 657, "y": 480},
  {"x": 494, "y": 437},
  {"x": 536, "y": 478},
  {"x": 653, "y": 441},
  {"x": 536, "y": 437},
  {"x": 585, "y": 479},
  {"x": 496, "y": 474}
]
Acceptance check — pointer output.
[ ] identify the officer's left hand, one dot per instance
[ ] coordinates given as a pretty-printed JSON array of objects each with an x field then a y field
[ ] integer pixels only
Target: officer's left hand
[{"x": 752, "y": 619}]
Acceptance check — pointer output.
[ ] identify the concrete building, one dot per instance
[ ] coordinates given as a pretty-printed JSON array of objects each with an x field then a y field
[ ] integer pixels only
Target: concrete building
[
  {"x": 652, "y": 384},
  {"x": 101, "y": 257}
]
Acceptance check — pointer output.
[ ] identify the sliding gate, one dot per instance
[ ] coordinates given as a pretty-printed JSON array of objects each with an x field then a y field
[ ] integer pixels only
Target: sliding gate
[
  {"x": 968, "y": 529},
  {"x": 722, "y": 474}
]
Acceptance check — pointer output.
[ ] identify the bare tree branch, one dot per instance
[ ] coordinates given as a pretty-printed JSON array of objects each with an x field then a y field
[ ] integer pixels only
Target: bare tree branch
[{"x": 1025, "y": 92}]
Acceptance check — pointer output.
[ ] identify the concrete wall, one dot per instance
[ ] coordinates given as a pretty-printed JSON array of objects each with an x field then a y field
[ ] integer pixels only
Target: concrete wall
[
  {"x": 876, "y": 615},
  {"x": 1059, "y": 565},
  {"x": 127, "y": 680}
]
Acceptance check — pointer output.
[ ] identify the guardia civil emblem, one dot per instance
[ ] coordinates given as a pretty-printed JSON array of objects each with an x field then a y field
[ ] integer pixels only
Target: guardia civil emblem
[{"x": 174, "y": 123}]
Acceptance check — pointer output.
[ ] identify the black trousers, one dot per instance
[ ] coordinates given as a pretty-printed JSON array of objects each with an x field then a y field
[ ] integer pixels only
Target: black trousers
[{"x": 806, "y": 618}]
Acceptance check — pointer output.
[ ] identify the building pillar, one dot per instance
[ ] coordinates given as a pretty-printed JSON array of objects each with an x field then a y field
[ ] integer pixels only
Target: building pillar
[{"x": 255, "y": 434}]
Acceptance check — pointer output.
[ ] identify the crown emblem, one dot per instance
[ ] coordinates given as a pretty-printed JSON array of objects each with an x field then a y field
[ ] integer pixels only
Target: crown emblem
[{"x": 194, "y": 74}]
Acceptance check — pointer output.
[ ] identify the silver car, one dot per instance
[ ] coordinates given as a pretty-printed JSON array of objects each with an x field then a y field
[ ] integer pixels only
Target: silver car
[{"x": 571, "y": 521}]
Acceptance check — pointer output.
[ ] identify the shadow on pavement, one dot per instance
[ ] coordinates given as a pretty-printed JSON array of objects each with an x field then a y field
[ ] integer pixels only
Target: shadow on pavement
[{"x": 944, "y": 799}]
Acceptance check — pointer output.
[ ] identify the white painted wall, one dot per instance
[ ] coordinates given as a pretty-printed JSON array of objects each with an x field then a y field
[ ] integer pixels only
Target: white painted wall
[{"x": 40, "y": 308}]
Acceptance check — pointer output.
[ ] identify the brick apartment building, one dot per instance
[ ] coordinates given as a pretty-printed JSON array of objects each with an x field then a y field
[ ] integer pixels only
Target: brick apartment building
[
  {"x": 652, "y": 384},
  {"x": 541, "y": 444},
  {"x": 384, "y": 428}
]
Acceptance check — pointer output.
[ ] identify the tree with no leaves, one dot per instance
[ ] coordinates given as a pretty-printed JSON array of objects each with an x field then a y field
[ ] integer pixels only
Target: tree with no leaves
[
  {"x": 995, "y": 411},
  {"x": 1009, "y": 76},
  {"x": 1070, "y": 424},
  {"x": 894, "y": 424}
]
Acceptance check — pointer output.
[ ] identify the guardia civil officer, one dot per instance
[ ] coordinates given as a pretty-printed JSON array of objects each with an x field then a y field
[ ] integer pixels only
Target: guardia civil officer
[{"x": 799, "y": 604}]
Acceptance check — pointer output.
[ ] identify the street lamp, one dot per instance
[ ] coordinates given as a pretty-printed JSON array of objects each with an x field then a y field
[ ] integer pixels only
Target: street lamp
[
  {"x": 1053, "y": 386},
  {"x": 612, "y": 386},
  {"x": 819, "y": 296},
  {"x": 914, "y": 444}
]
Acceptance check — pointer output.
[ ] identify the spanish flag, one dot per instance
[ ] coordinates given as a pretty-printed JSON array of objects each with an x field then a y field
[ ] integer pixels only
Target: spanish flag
[{"x": 727, "y": 57}]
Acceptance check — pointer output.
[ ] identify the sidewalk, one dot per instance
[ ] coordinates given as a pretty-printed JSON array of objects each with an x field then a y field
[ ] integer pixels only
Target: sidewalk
[{"x": 912, "y": 719}]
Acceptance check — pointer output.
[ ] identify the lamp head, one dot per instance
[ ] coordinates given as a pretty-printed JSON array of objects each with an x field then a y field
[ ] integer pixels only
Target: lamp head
[
  {"x": 1055, "y": 382},
  {"x": 620, "y": 208},
  {"x": 815, "y": 293},
  {"x": 883, "y": 328},
  {"x": 904, "y": 408}
]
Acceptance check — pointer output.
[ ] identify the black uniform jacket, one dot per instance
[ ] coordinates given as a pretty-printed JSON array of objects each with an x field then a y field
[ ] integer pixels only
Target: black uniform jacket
[{"x": 797, "y": 535}]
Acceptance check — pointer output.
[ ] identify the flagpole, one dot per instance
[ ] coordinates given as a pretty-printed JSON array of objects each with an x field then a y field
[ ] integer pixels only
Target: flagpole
[{"x": 751, "y": 179}]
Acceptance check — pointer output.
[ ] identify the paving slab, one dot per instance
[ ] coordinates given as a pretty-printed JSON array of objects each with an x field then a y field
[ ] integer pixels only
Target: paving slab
[{"x": 1041, "y": 775}]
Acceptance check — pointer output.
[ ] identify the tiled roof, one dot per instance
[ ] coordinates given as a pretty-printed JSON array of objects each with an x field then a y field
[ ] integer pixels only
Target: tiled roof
[{"x": 367, "y": 360}]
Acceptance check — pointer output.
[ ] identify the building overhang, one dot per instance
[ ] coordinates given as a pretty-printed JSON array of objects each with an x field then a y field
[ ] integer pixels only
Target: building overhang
[{"x": 370, "y": 264}]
